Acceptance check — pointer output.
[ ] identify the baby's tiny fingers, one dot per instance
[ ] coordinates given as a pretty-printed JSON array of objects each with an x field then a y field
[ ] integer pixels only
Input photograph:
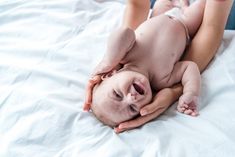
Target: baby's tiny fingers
[
  {"x": 195, "y": 113},
  {"x": 181, "y": 110},
  {"x": 185, "y": 105},
  {"x": 189, "y": 112}
]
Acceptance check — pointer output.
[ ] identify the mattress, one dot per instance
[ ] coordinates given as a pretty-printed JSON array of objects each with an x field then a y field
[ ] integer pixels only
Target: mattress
[{"x": 48, "y": 50}]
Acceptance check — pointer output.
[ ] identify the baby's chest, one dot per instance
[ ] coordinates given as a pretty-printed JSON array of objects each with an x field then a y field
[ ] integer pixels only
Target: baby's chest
[{"x": 160, "y": 78}]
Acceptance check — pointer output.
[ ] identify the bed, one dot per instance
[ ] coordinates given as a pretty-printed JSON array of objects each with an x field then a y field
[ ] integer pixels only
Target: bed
[{"x": 48, "y": 50}]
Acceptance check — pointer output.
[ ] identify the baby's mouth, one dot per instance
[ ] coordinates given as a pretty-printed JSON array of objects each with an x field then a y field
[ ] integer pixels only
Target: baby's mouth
[{"x": 138, "y": 88}]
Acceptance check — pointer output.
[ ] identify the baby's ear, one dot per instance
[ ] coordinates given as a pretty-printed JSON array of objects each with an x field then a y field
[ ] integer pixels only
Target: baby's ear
[{"x": 108, "y": 74}]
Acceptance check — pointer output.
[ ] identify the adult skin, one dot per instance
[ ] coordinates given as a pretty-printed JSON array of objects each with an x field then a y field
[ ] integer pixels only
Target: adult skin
[{"x": 209, "y": 37}]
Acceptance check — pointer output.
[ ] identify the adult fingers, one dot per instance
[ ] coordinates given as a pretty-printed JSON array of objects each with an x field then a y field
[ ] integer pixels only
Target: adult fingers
[
  {"x": 128, "y": 125},
  {"x": 161, "y": 102},
  {"x": 91, "y": 83},
  {"x": 86, "y": 107},
  {"x": 88, "y": 97},
  {"x": 157, "y": 105}
]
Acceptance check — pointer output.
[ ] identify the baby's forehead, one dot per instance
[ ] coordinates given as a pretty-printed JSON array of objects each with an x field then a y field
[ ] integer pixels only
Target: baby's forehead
[
  {"x": 105, "y": 103},
  {"x": 105, "y": 111},
  {"x": 100, "y": 97}
]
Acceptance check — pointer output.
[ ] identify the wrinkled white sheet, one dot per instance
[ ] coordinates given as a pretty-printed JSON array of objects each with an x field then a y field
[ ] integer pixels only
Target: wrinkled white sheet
[{"x": 48, "y": 49}]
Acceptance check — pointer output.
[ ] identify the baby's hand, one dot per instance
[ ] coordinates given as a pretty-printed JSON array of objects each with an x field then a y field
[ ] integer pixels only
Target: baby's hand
[{"x": 188, "y": 104}]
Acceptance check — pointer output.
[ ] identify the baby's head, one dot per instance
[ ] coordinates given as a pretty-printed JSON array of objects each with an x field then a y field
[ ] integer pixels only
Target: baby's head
[{"x": 120, "y": 96}]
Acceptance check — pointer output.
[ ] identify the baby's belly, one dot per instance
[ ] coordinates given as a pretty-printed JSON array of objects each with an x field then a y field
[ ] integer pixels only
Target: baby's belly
[
  {"x": 164, "y": 40},
  {"x": 162, "y": 33}
]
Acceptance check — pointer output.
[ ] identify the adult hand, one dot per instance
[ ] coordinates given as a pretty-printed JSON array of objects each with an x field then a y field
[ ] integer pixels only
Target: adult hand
[
  {"x": 162, "y": 100},
  {"x": 91, "y": 83}
]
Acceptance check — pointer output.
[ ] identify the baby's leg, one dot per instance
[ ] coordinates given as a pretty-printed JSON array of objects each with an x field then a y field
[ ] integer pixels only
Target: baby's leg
[
  {"x": 161, "y": 6},
  {"x": 192, "y": 16}
]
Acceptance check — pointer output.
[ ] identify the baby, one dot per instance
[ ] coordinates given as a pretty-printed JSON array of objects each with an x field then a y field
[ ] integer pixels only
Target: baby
[{"x": 140, "y": 62}]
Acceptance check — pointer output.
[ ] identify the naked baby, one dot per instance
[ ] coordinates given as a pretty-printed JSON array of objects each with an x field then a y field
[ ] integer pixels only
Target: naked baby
[{"x": 138, "y": 63}]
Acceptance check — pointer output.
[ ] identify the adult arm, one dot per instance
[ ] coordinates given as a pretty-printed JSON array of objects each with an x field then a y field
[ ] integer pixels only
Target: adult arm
[{"x": 201, "y": 51}]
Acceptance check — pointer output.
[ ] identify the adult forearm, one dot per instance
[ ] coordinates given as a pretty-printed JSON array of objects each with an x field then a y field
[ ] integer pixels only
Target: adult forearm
[
  {"x": 136, "y": 12},
  {"x": 209, "y": 36},
  {"x": 176, "y": 92},
  {"x": 203, "y": 47}
]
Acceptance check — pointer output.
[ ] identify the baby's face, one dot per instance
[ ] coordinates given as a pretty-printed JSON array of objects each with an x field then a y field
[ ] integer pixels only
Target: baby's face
[{"x": 120, "y": 96}]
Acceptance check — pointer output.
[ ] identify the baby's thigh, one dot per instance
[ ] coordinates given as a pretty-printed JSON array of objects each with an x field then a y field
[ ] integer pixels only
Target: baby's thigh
[
  {"x": 193, "y": 15},
  {"x": 161, "y": 6}
]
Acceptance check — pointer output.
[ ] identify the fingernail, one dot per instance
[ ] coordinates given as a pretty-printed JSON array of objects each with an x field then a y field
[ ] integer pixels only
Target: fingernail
[
  {"x": 121, "y": 126},
  {"x": 115, "y": 130},
  {"x": 143, "y": 113}
]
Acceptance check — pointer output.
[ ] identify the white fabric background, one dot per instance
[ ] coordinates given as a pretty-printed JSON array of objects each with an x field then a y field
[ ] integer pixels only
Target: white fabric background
[{"x": 47, "y": 52}]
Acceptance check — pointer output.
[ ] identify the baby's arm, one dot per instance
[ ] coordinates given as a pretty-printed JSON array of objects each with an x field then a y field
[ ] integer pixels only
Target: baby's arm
[
  {"x": 188, "y": 73},
  {"x": 119, "y": 43},
  {"x": 136, "y": 12}
]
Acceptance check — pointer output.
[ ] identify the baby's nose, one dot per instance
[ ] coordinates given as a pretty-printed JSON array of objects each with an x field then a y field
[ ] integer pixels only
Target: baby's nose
[
  {"x": 133, "y": 98},
  {"x": 134, "y": 95}
]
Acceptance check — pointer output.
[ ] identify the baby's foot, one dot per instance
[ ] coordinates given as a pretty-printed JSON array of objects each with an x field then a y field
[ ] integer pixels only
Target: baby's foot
[{"x": 188, "y": 104}]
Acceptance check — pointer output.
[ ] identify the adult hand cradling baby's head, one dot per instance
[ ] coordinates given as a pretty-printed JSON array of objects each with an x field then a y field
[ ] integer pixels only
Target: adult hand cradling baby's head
[{"x": 91, "y": 84}]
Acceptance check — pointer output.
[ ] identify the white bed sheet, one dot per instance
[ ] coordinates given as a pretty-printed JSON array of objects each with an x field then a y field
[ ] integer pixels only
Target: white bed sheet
[{"x": 47, "y": 52}]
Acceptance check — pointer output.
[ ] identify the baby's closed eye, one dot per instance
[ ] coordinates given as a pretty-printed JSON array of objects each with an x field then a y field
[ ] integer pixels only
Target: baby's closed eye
[
  {"x": 133, "y": 108},
  {"x": 117, "y": 95}
]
